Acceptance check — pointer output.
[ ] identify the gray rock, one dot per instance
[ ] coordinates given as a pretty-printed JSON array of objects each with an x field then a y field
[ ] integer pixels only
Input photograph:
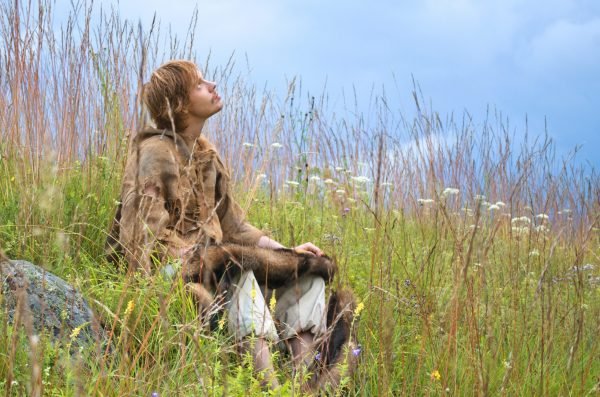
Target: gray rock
[{"x": 46, "y": 302}]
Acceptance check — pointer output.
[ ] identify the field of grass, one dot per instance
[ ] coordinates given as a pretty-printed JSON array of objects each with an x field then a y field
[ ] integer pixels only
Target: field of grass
[{"x": 474, "y": 249}]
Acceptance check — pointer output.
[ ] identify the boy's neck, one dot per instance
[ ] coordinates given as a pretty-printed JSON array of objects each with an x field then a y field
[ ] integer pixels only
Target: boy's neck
[{"x": 192, "y": 132}]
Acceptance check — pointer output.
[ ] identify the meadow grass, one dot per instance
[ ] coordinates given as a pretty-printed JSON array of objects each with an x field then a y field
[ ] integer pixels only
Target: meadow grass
[{"x": 473, "y": 249}]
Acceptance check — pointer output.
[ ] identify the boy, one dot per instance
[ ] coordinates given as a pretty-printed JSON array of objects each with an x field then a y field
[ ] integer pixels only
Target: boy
[{"x": 176, "y": 203}]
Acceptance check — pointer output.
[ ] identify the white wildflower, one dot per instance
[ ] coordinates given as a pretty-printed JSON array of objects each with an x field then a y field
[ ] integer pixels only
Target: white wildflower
[
  {"x": 588, "y": 267},
  {"x": 34, "y": 339},
  {"x": 340, "y": 191},
  {"x": 565, "y": 211},
  {"x": 351, "y": 200},
  {"x": 541, "y": 229},
  {"x": 62, "y": 240},
  {"x": 479, "y": 197},
  {"x": 360, "y": 179},
  {"x": 315, "y": 178},
  {"x": 369, "y": 229},
  {"x": 276, "y": 145},
  {"x": 292, "y": 183},
  {"x": 387, "y": 184},
  {"x": 329, "y": 181},
  {"x": 520, "y": 230},
  {"x": 260, "y": 177},
  {"x": 425, "y": 201},
  {"x": 500, "y": 204},
  {"x": 332, "y": 238},
  {"x": 248, "y": 144},
  {"x": 339, "y": 169},
  {"x": 522, "y": 219},
  {"x": 534, "y": 252},
  {"x": 450, "y": 191},
  {"x": 494, "y": 207},
  {"x": 542, "y": 217}
]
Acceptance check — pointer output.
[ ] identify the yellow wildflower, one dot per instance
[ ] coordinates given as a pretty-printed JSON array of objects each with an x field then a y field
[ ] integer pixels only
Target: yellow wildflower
[
  {"x": 272, "y": 302},
  {"x": 75, "y": 332},
  {"x": 435, "y": 375},
  {"x": 253, "y": 293},
  {"x": 359, "y": 308},
  {"x": 221, "y": 323},
  {"x": 129, "y": 308}
]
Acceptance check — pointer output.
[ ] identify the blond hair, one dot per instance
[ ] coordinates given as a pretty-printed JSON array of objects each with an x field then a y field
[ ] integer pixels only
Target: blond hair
[{"x": 166, "y": 95}]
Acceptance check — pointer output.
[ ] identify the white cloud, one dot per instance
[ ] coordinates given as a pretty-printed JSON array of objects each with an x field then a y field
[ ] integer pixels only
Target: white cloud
[
  {"x": 419, "y": 150},
  {"x": 565, "y": 46}
]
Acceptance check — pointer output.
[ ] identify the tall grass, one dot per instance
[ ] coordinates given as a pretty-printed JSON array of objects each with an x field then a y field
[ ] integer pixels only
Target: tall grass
[{"x": 492, "y": 288}]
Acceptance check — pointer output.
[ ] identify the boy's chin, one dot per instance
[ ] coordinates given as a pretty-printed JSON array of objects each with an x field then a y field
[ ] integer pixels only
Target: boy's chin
[{"x": 218, "y": 107}]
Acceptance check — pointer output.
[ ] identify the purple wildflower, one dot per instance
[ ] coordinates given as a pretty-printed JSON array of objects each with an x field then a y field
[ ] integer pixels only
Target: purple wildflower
[
  {"x": 356, "y": 351},
  {"x": 318, "y": 356},
  {"x": 154, "y": 394}
]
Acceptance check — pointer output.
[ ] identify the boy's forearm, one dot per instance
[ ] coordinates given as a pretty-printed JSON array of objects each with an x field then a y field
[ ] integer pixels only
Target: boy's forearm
[{"x": 266, "y": 242}]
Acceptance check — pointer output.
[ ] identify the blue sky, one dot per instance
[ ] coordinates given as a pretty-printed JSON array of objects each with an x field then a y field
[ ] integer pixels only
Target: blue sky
[{"x": 535, "y": 58}]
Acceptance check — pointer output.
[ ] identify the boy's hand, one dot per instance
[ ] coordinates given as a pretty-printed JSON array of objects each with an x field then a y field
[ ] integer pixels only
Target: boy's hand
[{"x": 308, "y": 248}]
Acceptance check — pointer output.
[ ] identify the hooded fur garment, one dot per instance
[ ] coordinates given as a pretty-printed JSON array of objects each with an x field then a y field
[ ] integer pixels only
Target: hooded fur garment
[{"x": 174, "y": 197}]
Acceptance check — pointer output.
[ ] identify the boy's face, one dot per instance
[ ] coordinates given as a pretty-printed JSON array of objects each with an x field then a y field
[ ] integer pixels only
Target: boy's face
[{"x": 204, "y": 100}]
